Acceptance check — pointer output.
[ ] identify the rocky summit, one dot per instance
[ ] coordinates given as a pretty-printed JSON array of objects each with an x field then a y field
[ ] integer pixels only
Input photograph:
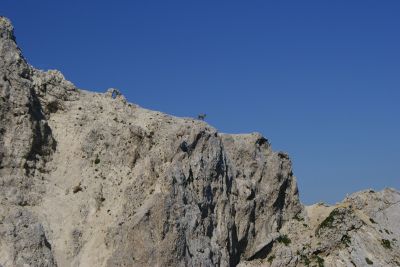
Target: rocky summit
[{"x": 88, "y": 179}]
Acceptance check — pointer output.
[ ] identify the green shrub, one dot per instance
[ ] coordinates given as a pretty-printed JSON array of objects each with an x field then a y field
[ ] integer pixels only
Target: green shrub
[
  {"x": 97, "y": 161},
  {"x": 386, "y": 244},
  {"x": 328, "y": 222},
  {"x": 369, "y": 262},
  {"x": 346, "y": 240},
  {"x": 305, "y": 260},
  {"x": 320, "y": 261},
  {"x": 284, "y": 239},
  {"x": 271, "y": 258}
]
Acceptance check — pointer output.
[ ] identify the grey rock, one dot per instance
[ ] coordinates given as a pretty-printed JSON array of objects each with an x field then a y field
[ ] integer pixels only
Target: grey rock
[
  {"x": 88, "y": 179},
  {"x": 362, "y": 230}
]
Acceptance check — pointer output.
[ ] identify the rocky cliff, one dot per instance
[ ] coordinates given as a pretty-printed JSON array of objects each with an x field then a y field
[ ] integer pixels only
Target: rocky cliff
[
  {"x": 88, "y": 179},
  {"x": 363, "y": 230}
]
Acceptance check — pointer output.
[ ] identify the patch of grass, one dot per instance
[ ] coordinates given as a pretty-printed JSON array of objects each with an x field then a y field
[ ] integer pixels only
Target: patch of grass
[
  {"x": 284, "y": 239},
  {"x": 369, "y": 262},
  {"x": 386, "y": 244},
  {"x": 271, "y": 258}
]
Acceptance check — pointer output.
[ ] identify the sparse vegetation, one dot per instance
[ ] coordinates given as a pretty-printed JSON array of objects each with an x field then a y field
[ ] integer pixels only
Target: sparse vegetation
[
  {"x": 386, "y": 244},
  {"x": 328, "y": 222},
  {"x": 298, "y": 218},
  {"x": 346, "y": 240},
  {"x": 320, "y": 261},
  {"x": 284, "y": 239},
  {"x": 305, "y": 260},
  {"x": 271, "y": 258},
  {"x": 369, "y": 262}
]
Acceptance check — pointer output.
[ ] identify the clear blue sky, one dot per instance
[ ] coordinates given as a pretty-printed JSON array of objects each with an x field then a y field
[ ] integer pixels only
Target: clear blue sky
[{"x": 320, "y": 79}]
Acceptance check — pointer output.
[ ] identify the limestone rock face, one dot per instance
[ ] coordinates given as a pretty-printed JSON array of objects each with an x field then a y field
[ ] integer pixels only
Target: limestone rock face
[
  {"x": 363, "y": 230},
  {"x": 88, "y": 179}
]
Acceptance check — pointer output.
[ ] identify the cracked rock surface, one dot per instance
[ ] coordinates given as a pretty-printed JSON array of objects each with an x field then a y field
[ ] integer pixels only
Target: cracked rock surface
[
  {"x": 362, "y": 230},
  {"x": 88, "y": 179}
]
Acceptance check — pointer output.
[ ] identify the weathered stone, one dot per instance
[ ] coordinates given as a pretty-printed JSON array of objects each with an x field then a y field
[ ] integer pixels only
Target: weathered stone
[
  {"x": 87, "y": 179},
  {"x": 362, "y": 230}
]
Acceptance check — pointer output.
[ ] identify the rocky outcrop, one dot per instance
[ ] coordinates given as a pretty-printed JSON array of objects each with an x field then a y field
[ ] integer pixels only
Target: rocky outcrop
[
  {"x": 26, "y": 143},
  {"x": 363, "y": 230},
  {"x": 95, "y": 181},
  {"x": 88, "y": 179}
]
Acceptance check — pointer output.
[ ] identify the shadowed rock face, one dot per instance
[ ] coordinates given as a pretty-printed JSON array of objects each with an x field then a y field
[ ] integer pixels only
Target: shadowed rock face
[{"x": 87, "y": 179}]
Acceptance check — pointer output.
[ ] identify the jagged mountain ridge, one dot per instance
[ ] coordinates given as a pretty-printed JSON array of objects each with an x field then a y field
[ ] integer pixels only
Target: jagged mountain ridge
[{"x": 88, "y": 179}]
